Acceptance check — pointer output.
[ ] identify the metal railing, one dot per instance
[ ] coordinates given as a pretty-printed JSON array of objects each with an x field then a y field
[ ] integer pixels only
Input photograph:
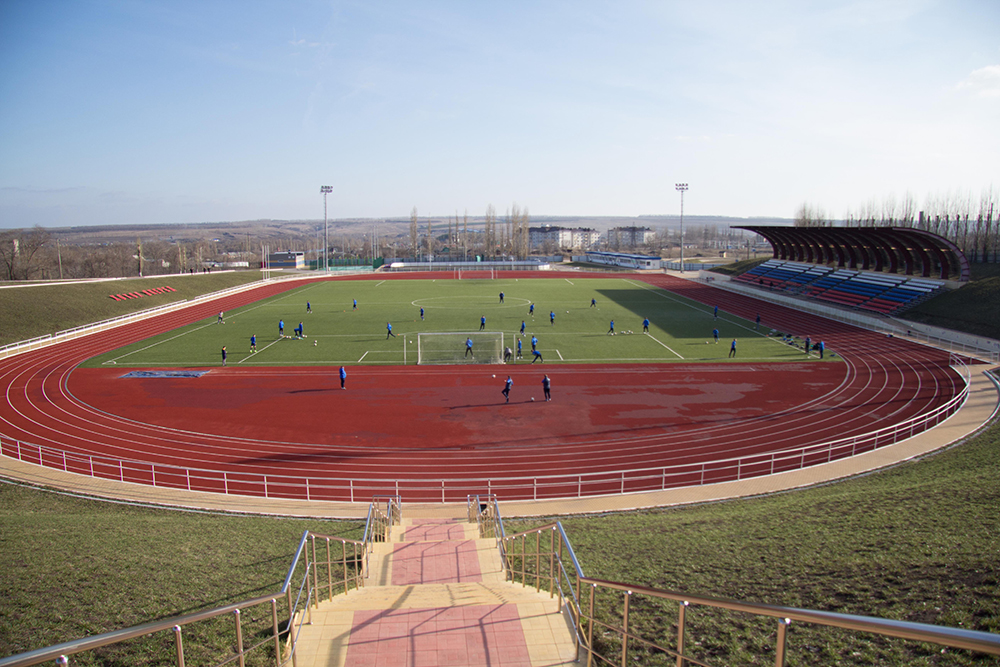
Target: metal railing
[
  {"x": 603, "y": 612},
  {"x": 535, "y": 487},
  {"x": 312, "y": 574}
]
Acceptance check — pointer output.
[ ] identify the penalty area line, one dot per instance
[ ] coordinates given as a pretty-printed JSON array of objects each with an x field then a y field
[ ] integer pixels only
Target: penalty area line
[{"x": 664, "y": 345}]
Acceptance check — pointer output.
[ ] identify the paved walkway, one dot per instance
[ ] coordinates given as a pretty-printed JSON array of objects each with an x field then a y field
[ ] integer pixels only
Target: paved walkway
[
  {"x": 976, "y": 412},
  {"x": 437, "y": 596}
]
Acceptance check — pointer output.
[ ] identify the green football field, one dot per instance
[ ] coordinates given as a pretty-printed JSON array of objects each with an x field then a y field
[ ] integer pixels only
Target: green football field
[{"x": 336, "y": 334}]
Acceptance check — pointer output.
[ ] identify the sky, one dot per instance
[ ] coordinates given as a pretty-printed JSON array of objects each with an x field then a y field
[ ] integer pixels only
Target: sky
[{"x": 176, "y": 111}]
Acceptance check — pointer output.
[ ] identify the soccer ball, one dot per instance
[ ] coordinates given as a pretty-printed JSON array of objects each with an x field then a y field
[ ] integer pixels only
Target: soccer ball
[
  {"x": 315, "y": 343},
  {"x": 532, "y": 398},
  {"x": 494, "y": 376}
]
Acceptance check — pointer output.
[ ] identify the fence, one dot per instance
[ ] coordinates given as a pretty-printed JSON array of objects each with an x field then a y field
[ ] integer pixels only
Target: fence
[
  {"x": 609, "y": 617},
  {"x": 301, "y": 590},
  {"x": 430, "y": 489}
]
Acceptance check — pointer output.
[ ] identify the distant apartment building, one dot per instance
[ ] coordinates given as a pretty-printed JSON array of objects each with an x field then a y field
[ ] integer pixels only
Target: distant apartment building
[
  {"x": 629, "y": 237},
  {"x": 559, "y": 238}
]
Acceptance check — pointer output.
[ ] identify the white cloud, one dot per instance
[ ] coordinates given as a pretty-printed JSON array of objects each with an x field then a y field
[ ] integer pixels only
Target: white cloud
[{"x": 983, "y": 82}]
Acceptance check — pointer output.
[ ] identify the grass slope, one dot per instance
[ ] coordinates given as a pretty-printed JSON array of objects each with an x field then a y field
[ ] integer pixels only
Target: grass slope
[
  {"x": 76, "y": 567},
  {"x": 36, "y": 310},
  {"x": 918, "y": 542},
  {"x": 973, "y": 308},
  {"x": 336, "y": 334}
]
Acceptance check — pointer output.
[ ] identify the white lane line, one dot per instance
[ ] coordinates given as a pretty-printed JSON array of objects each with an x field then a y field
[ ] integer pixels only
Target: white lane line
[
  {"x": 254, "y": 354},
  {"x": 664, "y": 345}
]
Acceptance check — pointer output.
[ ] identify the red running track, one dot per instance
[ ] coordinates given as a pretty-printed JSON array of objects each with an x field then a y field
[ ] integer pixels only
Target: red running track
[{"x": 440, "y": 433}]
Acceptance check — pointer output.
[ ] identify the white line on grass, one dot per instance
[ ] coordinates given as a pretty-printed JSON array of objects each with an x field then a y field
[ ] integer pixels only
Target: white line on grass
[
  {"x": 363, "y": 356},
  {"x": 568, "y": 280},
  {"x": 165, "y": 340},
  {"x": 254, "y": 354},
  {"x": 664, "y": 345},
  {"x": 657, "y": 291},
  {"x": 560, "y": 356},
  {"x": 379, "y": 283}
]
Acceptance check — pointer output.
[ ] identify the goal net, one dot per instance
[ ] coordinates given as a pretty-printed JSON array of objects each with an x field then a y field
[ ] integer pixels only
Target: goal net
[{"x": 450, "y": 348}]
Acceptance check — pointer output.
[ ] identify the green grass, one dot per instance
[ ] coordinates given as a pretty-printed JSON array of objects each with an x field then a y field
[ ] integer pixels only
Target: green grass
[
  {"x": 973, "y": 308},
  {"x": 678, "y": 329},
  {"x": 918, "y": 542},
  {"x": 28, "y": 312},
  {"x": 76, "y": 567},
  {"x": 742, "y": 266}
]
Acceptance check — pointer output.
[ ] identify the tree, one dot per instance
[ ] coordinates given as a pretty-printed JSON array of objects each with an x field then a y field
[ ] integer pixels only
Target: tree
[
  {"x": 808, "y": 216},
  {"x": 465, "y": 235},
  {"x": 413, "y": 233},
  {"x": 19, "y": 252},
  {"x": 489, "y": 232}
]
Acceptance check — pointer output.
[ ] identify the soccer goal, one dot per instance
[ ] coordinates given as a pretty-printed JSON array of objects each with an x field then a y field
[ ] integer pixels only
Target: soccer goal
[{"x": 450, "y": 348}]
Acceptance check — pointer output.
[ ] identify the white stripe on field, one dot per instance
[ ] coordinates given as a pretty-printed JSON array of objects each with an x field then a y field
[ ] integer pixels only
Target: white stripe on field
[{"x": 666, "y": 346}]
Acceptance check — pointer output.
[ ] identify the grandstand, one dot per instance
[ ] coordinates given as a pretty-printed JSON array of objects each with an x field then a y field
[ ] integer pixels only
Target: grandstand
[{"x": 878, "y": 293}]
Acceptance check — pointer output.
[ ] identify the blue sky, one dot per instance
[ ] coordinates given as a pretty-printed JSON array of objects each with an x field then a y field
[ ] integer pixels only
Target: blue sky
[{"x": 175, "y": 111}]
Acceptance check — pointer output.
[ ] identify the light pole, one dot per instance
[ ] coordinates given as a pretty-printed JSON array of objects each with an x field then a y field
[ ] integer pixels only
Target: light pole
[
  {"x": 682, "y": 188},
  {"x": 325, "y": 190}
]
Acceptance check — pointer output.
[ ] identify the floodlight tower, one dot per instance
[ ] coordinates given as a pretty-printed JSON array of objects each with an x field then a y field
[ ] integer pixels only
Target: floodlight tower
[
  {"x": 325, "y": 190},
  {"x": 682, "y": 188}
]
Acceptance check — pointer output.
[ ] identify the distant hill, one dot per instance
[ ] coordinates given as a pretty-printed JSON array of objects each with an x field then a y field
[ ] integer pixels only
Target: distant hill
[{"x": 400, "y": 226}]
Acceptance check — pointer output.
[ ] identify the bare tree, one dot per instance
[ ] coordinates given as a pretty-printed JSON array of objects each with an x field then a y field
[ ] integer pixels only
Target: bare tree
[
  {"x": 465, "y": 235},
  {"x": 413, "y": 233},
  {"x": 810, "y": 216},
  {"x": 19, "y": 252},
  {"x": 489, "y": 232}
]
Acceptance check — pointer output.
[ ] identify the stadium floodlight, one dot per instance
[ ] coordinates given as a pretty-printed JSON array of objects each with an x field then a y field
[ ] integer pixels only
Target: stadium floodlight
[
  {"x": 682, "y": 188},
  {"x": 325, "y": 190}
]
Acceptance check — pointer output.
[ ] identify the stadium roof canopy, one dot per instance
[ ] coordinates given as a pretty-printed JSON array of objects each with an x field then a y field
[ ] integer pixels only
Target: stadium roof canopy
[{"x": 887, "y": 249}]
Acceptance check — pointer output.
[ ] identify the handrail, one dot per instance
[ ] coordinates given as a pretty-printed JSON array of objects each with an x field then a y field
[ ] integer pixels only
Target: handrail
[
  {"x": 309, "y": 585},
  {"x": 973, "y": 640},
  {"x": 546, "y": 563},
  {"x": 525, "y": 486}
]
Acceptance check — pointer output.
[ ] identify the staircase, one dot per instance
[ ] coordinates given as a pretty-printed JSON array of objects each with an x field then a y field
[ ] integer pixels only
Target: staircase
[{"x": 437, "y": 595}]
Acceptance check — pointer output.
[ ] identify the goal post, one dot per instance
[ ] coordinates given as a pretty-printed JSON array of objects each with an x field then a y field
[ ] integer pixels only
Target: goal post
[{"x": 450, "y": 348}]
